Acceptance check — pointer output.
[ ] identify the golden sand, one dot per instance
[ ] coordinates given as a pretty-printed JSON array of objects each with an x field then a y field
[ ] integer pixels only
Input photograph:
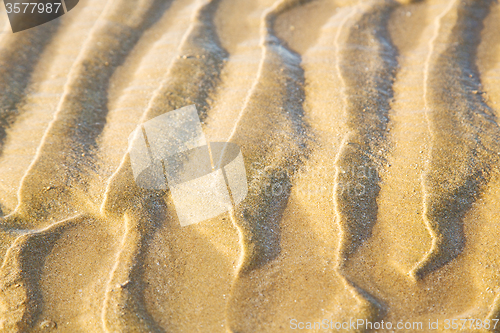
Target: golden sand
[{"x": 371, "y": 145}]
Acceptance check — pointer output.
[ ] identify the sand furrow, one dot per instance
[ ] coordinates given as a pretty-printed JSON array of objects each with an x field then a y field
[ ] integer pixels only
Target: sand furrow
[
  {"x": 195, "y": 271},
  {"x": 133, "y": 86},
  {"x": 190, "y": 80},
  {"x": 464, "y": 138},
  {"x": 399, "y": 238},
  {"x": 20, "y": 273},
  {"x": 124, "y": 308},
  {"x": 306, "y": 229},
  {"x": 42, "y": 97},
  {"x": 272, "y": 114},
  {"x": 21, "y": 300},
  {"x": 368, "y": 89},
  {"x": 67, "y": 148},
  {"x": 411, "y": 28},
  {"x": 16, "y": 71},
  {"x": 280, "y": 70},
  {"x": 70, "y": 138},
  {"x": 310, "y": 234}
]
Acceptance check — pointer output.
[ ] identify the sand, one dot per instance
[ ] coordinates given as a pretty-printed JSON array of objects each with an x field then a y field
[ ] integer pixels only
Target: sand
[{"x": 371, "y": 145}]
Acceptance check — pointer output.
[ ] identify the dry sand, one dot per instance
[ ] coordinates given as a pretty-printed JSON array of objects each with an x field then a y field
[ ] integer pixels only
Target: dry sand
[{"x": 371, "y": 145}]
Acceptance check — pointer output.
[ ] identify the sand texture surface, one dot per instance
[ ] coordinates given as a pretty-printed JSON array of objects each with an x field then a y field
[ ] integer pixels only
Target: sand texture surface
[{"x": 369, "y": 131}]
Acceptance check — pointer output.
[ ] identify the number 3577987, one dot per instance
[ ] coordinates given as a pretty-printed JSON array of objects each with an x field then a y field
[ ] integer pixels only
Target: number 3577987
[{"x": 32, "y": 8}]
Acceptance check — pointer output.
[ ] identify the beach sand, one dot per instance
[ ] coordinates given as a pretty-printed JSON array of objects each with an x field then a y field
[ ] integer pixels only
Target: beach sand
[{"x": 371, "y": 144}]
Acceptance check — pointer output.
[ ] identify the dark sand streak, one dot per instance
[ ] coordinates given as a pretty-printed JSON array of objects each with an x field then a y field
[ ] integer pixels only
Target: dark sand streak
[
  {"x": 67, "y": 151},
  {"x": 368, "y": 66},
  {"x": 48, "y": 185},
  {"x": 191, "y": 80},
  {"x": 18, "y": 59},
  {"x": 273, "y": 138},
  {"x": 21, "y": 298},
  {"x": 465, "y": 138}
]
